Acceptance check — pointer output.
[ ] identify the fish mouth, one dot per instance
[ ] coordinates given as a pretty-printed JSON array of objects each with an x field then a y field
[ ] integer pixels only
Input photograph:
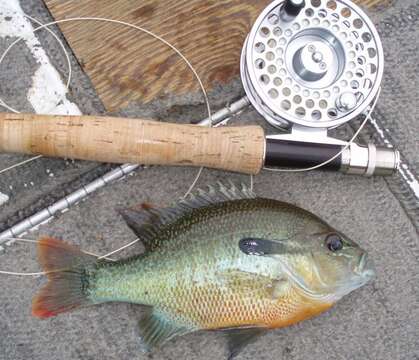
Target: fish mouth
[
  {"x": 365, "y": 268},
  {"x": 363, "y": 273}
]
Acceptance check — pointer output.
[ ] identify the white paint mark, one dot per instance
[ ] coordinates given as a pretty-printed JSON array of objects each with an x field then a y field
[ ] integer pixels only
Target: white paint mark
[
  {"x": 410, "y": 179},
  {"x": 381, "y": 133},
  {"x": 47, "y": 88},
  {"x": 48, "y": 93},
  {"x": 3, "y": 199},
  {"x": 404, "y": 170}
]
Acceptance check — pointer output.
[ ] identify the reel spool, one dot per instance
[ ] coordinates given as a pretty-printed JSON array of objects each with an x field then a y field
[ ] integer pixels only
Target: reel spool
[{"x": 314, "y": 65}]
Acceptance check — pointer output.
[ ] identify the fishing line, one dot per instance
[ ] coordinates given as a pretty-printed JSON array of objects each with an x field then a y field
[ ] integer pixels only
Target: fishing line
[
  {"x": 367, "y": 118},
  {"x": 22, "y": 274},
  {"x": 99, "y": 257},
  {"x": 67, "y": 85},
  {"x": 32, "y": 241},
  {"x": 4, "y": 104},
  {"x": 60, "y": 42},
  {"x": 194, "y": 183},
  {"x": 119, "y": 250},
  {"x": 20, "y": 164},
  {"x": 143, "y": 30}
]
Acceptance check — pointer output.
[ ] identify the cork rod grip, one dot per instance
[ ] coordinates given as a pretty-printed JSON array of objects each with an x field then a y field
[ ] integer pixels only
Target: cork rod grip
[{"x": 121, "y": 140}]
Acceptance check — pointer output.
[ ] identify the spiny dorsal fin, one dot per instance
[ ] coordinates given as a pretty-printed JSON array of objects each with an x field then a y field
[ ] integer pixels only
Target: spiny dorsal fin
[
  {"x": 155, "y": 329},
  {"x": 222, "y": 194},
  {"x": 147, "y": 221}
]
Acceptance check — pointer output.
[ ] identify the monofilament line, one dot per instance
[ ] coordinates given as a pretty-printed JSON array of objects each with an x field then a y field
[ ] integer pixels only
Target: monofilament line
[
  {"x": 178, "y": 52},
  {"x": 11, "y": 109},
  {"x": 20, "y": 164},
  {"x": 123, "y": 23},
  {"x": 31, "y": 241}
]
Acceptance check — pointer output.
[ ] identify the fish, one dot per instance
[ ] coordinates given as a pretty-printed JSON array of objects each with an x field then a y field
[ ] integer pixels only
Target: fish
[{"x": 223, "y": 259}]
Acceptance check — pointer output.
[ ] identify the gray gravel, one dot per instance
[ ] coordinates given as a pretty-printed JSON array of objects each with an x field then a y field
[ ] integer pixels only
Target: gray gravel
[{"x": 379, "y": 321}]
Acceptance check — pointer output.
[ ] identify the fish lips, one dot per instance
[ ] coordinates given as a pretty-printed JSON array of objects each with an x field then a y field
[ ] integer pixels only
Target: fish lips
[
  {"x": 363, "y": 273},
  {"x": 365, "y": 268}
]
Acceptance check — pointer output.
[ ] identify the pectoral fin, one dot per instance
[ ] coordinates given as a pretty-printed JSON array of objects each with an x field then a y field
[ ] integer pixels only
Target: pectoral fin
[
  {"x": 238, "y": 339},
  {"x": 155, "y": 329},
  {"x": 250, "y": 283}
]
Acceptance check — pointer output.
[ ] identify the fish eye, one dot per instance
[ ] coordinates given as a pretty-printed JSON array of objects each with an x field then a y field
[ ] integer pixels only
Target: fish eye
[{"x": 334, "y": 243}]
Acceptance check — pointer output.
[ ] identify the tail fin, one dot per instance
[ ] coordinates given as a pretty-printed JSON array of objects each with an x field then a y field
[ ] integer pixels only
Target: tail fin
[{"x": 67, "y": 279}]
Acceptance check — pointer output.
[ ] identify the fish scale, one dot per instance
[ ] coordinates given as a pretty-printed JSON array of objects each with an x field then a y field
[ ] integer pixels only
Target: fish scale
[
  {"x": 183, "y": 280},
  {"x": 223, "y": 260}
]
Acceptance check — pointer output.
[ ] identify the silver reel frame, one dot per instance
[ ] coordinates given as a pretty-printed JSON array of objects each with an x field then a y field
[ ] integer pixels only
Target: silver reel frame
[
  {"x": 303, "y": 141},
  {"x": 267, "y": 105}
]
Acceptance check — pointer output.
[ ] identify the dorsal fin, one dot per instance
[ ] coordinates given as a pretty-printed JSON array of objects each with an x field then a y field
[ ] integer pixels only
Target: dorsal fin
[{"x": 147, "y": 221}]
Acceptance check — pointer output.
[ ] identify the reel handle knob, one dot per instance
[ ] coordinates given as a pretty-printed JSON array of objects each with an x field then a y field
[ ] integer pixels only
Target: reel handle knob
[{"x": 291, "y": 9}]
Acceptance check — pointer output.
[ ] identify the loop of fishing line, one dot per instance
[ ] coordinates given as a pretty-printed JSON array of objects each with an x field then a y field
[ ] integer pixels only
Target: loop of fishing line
[
  {"x": 123, "y": 23},
  {"x": 157, "y": 37},
  {"x": 65, "y": 52},
  {"x": 67, "y": 85}
]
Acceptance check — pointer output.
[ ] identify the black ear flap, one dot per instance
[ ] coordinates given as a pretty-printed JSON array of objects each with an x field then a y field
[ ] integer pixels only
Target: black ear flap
[{"x": 262, "y": 247}]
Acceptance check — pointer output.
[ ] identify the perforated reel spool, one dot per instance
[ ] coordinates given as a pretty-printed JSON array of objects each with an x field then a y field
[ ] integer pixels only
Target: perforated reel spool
[{"x": 321, "y": 69}]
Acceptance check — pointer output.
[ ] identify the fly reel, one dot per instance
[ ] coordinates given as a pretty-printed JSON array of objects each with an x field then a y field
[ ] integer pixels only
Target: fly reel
[
  {"x": 309, "y": 66},
  {"x": 319, "y": 66}
]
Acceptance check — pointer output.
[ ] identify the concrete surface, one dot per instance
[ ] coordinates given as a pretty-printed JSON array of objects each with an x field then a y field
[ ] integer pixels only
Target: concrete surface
[
  {"x": 379, "y": 321},
  {"x": 28, "y": 185}
]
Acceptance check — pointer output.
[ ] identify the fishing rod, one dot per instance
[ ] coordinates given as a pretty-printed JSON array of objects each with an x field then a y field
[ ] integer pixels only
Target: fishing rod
[
  {"x": 242, "y": 149},
  {"x": 306, "y": 68}
]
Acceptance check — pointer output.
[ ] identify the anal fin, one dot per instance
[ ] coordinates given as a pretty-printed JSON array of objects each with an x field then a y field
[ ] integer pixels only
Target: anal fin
[
  {"x": 238, "y": 339},
  {"x": 155, "y": 329}
]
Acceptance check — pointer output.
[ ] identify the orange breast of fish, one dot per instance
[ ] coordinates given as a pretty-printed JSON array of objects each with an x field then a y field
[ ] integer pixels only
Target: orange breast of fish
[{"x": 258, "y": 305}]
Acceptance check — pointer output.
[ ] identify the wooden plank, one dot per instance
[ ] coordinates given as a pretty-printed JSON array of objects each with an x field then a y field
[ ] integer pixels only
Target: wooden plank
[{"x": 125, "y": 65}]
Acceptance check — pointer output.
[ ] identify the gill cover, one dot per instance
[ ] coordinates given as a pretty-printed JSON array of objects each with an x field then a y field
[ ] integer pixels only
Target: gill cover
[{"x": 276, "y": 248}]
